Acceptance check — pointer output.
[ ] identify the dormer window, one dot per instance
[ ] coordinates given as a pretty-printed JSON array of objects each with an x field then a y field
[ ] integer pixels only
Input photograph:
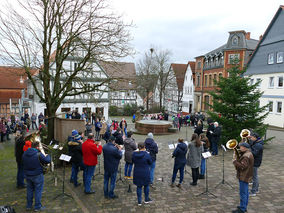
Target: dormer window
[
  {"x": 271, "y": 58},
  {"x": 235, "y": 41}
]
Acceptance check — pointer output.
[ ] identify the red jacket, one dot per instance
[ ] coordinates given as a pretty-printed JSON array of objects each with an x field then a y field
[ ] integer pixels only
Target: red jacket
[{"x": 90, "y": 152}]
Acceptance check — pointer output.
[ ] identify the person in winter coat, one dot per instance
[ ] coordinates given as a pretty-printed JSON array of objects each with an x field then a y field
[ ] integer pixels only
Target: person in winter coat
[
  {"x": 141, "y": 174},
  {"x": 152, "y": 148},
  {"x": 33, "y": 159},
  {"x": 194, "y": 157},
  {"x": 108, "y": 133},
  {"x": 19, "y": 151},
  {"x": 112, "y": 156},
  {"x": 256, "y": 145},
  {"x": 206, "y": 145},
  {"x": 180, "y": 160},
  {"x": 75, "y": 151},
  {"x": 118, "y": 137},
  {"x": 98, "y": 127},
  {"x": 216, "y": 134},
  {"x": 90, "y": 150},
  {"x": 244, "y": 167},
  {"x": 123, "y": 126},
  {"x": 88, "y": 128},
  {"x": 209, "y": 131},
  {"x": 104, "y": 127},
  {"x": 129, "y": 146},
  {"x": 199, "y": 129}
]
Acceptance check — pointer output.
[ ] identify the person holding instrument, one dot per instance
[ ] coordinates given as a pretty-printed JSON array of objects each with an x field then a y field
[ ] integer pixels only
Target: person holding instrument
[
  {"x": 33, "y": 159},
  {"x": 244, "y": 167}
]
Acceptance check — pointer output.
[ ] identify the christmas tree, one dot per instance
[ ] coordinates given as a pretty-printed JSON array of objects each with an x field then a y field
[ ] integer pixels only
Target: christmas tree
[{"x": 236, "y": 105}]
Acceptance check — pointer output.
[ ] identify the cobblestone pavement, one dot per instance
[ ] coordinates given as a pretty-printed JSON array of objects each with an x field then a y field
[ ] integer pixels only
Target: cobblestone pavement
[{"x": 166, "y": 199}]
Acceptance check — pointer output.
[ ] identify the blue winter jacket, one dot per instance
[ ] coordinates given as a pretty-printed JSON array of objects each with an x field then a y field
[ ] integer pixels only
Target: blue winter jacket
[
  {"x": 31, "y": 163},
  {"x": 142, "y": 161},
  {"x": 151, "y": 147},
  {"x": 257, "y": 151},
  {"x": 112, "y": 156},
  {"x": 180, "y": 154}
]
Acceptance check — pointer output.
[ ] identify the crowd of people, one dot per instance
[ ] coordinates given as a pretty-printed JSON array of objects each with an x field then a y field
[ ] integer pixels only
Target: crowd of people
[{"x": 140, "y": 160}]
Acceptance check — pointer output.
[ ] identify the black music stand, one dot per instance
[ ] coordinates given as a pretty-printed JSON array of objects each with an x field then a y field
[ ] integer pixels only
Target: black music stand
[
  {"x": 206, "y": 155},
  {"x": 99, "y": 172},
  {"x": 64, "y": 158},
  {"x": 223, "y": 181}
]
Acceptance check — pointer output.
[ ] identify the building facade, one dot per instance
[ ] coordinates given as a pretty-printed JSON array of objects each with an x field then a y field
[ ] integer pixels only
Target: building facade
[
  {"x": 214, "y": 64},
  {"x": 267, "y": 66},
  {"x": 188, "y": 89}
]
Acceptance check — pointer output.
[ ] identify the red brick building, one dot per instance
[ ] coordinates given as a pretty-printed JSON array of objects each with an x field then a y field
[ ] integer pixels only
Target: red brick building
[{"x": 215, "y": 63}]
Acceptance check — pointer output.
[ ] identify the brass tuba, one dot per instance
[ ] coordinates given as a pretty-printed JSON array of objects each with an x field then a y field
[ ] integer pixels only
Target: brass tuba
[
  {"x": 245, "y": 133},
  {"x": 232, "y": 144}
]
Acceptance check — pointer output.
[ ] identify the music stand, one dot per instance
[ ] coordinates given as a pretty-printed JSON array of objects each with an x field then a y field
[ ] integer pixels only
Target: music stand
[
  {"x": 99, "y": 172},
  {"x": 206, "y": 155},
  {"x": 120, "y": 178},
  {"x": 64, "y": 158},
  {"x": 223, "y": 181}
]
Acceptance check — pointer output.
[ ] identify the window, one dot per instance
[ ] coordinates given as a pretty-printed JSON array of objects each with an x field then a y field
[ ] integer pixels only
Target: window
[
  {"x": 198, "y": 65},
  {"x": 210, "y": 80},
  {"x": 279, "y": 57},
  {"x": 279, "y": 106},
  {"x": 271, "y": 82},
  {"x": 251, "y": 81},
  {"x": 258, "y": 80},
  {"x": 198, "y": 81},
  {"x": 280, "y": 81},
  {"x": 205, "y": 82},
  {"x": 220, "y": 76},
  {"x": 270, "y": 106},
  {"x": 271, "y": 58},
  {"x": 233, "y": 58},
  {"x": 215, "y": 78}
]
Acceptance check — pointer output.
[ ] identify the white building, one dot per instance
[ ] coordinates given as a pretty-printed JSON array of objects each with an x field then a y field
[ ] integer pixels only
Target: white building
[
  {"x": 267, "y": 65},
  {"x": 97, "y": 101},
  {"x": 188, "y": 89}
]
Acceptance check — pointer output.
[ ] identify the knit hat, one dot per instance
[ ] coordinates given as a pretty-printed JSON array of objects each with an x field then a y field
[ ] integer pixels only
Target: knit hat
[
  {"x": 76, "y": 135},
  {"x": 27, "y": 145},
  {"x": 150, "y": 135},
  {"x": 245, "y": 145},
  {"x": 254, "y": 134}
]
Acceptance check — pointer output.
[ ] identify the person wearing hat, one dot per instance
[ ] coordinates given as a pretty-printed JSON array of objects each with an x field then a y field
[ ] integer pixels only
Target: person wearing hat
[
  {"x": 75, "y": 151},
  {"x": 152, "y": 148},
  {"x": 19, "y": 151},
  {"x": 244, "y": 167},
  {"x": 112, "y": 155},
  {"x": 256, "y": 145}
]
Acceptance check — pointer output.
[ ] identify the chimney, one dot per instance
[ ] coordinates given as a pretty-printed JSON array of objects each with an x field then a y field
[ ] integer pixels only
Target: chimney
[
  {"x": 260, "y": 37},
  {"x": 248, "y": 36}
]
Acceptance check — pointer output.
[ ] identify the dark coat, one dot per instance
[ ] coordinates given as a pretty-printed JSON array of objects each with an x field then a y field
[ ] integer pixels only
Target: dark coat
[
  {"x": 151, "y": 147},
  {"x": 210, "y": 129},
  {"x": 118, "y": 138},
  {"x": 75, "y": 151},
  {"x": 125, "y": 125},
  {"x": 216, "y": 135},
  {"x": 112, "y": 156},
  {"x": 19, "y": 145},
  {"x": 129, "y": 146},
  {"x": 32, "y": 162},
  {"x": 142, "y": 161},
  {"x": 257, "y": 151},
  {"x": 107, "y": 135},
  {"x": 180, "y": 154},
  {"x": 98, "y": 126},
  {"x": 198, "y": 130}
]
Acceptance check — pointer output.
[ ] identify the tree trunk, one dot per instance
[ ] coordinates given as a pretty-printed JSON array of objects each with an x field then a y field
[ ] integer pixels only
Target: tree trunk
[
  {"x": 147, "y": 100},
  {"x": 161, "y": 97}
]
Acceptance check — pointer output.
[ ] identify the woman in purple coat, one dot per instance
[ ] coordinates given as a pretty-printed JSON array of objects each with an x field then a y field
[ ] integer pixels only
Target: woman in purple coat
[{"x": 141, "y": 175}]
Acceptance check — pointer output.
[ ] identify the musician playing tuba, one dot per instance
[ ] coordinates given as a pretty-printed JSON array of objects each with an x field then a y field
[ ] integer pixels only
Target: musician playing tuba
[{"x": 244, "y": 167}]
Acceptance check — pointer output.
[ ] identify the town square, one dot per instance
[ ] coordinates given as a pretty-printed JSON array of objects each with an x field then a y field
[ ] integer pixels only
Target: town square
[{"x": 107, "y": 108}]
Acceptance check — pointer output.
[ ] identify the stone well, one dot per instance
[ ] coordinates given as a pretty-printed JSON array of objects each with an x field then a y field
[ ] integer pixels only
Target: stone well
[{"x": 155, "y": 126}]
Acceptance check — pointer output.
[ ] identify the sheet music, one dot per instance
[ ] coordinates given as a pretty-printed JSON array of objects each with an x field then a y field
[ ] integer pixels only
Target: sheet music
[
  {"x": 186, "y": 142},
  {"x": 224, "y": 148},
  {"x": 55, "y": 146},
  {"x": 66, "y": 158},
  {"x": 206, "y": 154},
  {"x": 171, "y": 146}
]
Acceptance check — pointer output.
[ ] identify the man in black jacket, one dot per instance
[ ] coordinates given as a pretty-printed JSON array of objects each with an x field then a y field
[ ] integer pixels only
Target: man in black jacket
[
  {"x": 215, "y": 138},
  {"x": 118, "y": 137}
]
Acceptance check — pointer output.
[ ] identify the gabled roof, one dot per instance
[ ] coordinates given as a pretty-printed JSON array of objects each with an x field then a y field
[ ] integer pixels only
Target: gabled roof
[
  {"x": 179, "y": 70},
  {"x": 281, "y": 35},
  {"x": 192, "y": 66},
  {"x": 10, "y": 77},
  {"x": 123, "y": 72}
]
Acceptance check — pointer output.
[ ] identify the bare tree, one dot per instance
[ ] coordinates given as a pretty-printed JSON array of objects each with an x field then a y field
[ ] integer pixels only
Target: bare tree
[
  {"x": 38, "y": 34},
  {"x": 146, "y": 77}
]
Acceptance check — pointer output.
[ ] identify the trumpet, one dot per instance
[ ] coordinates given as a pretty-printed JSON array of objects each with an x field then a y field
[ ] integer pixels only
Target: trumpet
[{"x": 232, "y": 144}]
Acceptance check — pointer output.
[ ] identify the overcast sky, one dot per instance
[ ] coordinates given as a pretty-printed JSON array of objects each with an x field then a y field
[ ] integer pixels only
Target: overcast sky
[{"x": 191, "y": 28}]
